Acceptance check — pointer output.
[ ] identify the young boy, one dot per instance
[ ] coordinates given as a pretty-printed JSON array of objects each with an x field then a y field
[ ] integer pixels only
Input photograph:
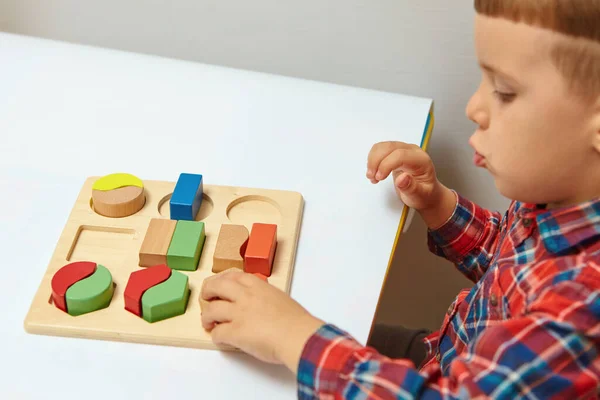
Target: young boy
[{"x": 530, "y": 326}]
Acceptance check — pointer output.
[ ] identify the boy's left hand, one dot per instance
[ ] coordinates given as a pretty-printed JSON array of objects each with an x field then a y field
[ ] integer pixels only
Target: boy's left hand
[{"x": 256, "y": 317}]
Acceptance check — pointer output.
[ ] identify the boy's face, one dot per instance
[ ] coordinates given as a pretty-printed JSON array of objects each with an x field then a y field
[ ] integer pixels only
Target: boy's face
[{"x": 534, "y": 135}]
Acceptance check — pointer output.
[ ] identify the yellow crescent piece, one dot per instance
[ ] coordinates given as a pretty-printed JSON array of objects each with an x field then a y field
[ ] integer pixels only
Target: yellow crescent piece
[{"x": 116, "y": 181}]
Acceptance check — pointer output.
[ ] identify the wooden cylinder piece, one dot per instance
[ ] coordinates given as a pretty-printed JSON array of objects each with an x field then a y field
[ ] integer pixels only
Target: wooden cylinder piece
[{"x": 118, "y": 195}]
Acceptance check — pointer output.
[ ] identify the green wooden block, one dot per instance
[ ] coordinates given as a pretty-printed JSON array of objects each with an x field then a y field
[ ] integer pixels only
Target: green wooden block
[
  {"x": 167, "y": 299},
  {"x": 90, "y": 294},
  {"x": 186, "y": 245}
]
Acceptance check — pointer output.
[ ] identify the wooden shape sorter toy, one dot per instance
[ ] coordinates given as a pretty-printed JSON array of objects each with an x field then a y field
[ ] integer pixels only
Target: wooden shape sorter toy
[{"x": 125, "y": 270}]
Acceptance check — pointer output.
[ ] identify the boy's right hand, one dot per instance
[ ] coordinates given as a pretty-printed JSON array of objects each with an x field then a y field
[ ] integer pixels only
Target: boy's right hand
[
  {"x": 413, "y": 171},
  {"x": 415, "y": 180}
]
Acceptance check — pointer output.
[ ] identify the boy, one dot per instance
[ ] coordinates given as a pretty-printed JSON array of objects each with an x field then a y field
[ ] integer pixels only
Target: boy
[{"x": 530, "y": 327}]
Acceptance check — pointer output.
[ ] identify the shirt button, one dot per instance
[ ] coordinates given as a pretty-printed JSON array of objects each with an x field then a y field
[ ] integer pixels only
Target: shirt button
[
  {"x": 450, "y": 309},
  {"x": 437, "y": 357},
  {"x": 527, "y": 222},
  {"x": 494, "y": 300}
]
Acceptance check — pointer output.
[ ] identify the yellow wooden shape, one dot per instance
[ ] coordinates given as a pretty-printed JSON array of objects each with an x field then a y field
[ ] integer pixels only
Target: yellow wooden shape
[{"x": 116, "y": 181}]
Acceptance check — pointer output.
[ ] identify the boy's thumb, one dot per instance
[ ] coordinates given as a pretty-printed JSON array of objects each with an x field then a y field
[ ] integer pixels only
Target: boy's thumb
[{"x": 404, "y": 182}]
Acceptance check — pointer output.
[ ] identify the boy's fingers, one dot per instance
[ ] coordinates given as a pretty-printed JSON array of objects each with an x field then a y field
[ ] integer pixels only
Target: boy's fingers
[
  {"x": 378, "y": 153},
  {"x": 249, "y": 280},
  {"x": 223, "y": 334},
  {"x": 410, "y": 160},
  {"x": 217, "y": 311},
  {"x": 230, "y": 273},
  {"x": 219, "y": 275},
  {"x": 396, "y": 173},
  {"x": 243, "y": 278},
  {"x": 226, "y": 289}
]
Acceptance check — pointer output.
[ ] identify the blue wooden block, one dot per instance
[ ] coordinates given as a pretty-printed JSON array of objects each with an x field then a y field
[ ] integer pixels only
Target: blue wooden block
[{"x": 187, "y": 197}]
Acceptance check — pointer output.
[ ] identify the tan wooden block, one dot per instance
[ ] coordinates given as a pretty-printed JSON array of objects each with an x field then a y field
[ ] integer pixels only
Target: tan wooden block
[
  {"x": 231, "y": 245},
  {"x": 156, "y": 242}
]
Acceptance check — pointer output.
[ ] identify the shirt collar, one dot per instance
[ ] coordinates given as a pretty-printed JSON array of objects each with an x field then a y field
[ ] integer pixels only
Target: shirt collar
[{"x": 564, "y": 228}]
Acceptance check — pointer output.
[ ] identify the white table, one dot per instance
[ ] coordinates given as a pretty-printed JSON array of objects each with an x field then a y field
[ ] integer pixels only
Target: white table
[{"x": 68, "y": 112}]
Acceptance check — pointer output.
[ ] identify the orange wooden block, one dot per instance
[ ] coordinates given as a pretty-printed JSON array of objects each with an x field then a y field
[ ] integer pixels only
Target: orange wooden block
[
  {"x": 261, "y": 249},
  {"x": 156, "y": 242},
  {"x": 230, "y": 248}
]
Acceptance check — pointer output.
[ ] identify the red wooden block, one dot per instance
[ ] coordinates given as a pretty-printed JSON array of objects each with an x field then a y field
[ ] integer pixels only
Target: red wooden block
[
  {"x": 261, "y": 249},
  {"x": 67, "y": 276},
  {"x": 139, "y": 282}
]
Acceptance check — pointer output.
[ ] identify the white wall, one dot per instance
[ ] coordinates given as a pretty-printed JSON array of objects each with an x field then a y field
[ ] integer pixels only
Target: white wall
[{"x": 423, "y": 48}]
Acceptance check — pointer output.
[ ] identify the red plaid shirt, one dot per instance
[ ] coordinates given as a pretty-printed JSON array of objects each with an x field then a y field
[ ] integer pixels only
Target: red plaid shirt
[{"x": 528, "y": 328}]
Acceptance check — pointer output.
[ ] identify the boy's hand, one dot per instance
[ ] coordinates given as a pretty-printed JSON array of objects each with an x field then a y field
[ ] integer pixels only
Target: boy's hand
[
  {"x": 256, "y": 317},
  {"x": 412, "y": 169},
  {"x": 415, "y": 180}
]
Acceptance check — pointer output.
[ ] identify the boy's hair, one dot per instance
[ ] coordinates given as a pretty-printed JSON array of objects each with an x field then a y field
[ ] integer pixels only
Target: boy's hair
[{"x": 577, "y": 55}]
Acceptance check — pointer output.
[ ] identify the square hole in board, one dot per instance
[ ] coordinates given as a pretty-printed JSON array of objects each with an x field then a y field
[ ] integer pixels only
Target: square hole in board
[{"x": 103, "y": 245}]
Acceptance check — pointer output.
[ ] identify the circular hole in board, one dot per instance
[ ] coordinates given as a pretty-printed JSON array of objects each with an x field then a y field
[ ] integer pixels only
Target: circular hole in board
[
  {"x": 205, "y": 208},
  {"x": 250, "y": 209}
]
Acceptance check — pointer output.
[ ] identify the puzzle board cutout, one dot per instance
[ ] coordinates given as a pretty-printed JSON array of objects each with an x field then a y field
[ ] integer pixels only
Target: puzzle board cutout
[{"x": 115, "y": 243}]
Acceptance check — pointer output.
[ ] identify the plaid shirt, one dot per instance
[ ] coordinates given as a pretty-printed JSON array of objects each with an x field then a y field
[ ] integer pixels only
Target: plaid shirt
[{"x": 528, "y": 328}]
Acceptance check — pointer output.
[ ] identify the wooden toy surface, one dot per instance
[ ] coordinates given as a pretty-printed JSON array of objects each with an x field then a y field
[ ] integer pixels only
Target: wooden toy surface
[{"x": 115, "y": 243}]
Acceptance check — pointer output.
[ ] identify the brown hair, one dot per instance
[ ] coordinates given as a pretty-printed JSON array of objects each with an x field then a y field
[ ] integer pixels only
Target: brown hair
[{"x": 576, "y": 57}]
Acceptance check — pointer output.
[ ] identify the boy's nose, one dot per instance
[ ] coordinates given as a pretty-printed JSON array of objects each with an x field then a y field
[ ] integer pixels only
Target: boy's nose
[{"x": 476, "y": 111}]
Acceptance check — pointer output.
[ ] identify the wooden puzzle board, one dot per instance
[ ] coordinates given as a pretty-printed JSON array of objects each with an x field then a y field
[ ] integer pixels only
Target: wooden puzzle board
[{"x": 115, "y": 243}]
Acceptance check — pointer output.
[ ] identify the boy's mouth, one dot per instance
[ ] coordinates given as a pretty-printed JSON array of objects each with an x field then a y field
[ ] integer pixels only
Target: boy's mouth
[{"x": 478, "y": 160}]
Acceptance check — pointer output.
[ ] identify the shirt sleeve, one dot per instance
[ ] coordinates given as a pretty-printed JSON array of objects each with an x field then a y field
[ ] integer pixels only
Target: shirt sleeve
[
  {"x": 550, "y": 352},
  {"x": 468, "y": 238}
]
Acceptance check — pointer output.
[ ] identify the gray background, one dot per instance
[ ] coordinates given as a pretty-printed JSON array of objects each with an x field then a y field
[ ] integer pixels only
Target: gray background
[{"x": 422, "y": 48}]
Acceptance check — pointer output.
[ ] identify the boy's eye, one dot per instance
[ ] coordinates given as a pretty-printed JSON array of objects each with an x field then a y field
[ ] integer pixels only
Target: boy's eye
[{"x": 504, "y": 97}]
